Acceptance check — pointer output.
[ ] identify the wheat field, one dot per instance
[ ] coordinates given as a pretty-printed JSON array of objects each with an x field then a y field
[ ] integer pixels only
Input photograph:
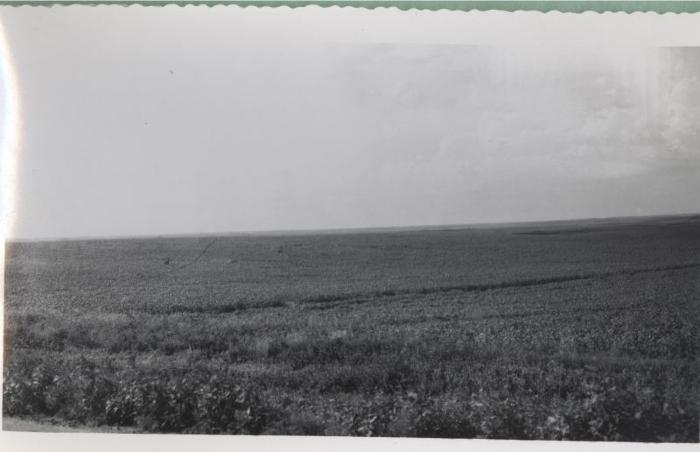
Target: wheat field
[{"x": 566, "y": 330}]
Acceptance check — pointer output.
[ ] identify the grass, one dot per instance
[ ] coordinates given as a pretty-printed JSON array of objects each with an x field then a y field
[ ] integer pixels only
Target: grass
[{"x": 473, "y": 333}]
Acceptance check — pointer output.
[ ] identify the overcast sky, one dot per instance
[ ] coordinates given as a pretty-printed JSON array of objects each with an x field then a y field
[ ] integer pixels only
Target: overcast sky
[{"x": 171, "y": 120}]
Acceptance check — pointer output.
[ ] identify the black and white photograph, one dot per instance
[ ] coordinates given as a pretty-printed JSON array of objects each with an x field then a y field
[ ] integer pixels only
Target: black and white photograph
[{"x": 351, "y": 223}]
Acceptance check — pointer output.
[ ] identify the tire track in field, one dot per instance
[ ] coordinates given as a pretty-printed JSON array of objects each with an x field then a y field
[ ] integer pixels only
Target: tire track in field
[
  {"x": 364, "y": 297},
  {"x": 198, "y": 256}
]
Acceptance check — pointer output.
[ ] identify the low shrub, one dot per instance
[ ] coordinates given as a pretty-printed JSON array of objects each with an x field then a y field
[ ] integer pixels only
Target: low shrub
[{"x": 197, "y": 400}]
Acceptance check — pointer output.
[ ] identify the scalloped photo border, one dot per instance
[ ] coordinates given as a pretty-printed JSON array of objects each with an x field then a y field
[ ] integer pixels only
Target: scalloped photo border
[{"x": 570, "y": 6}]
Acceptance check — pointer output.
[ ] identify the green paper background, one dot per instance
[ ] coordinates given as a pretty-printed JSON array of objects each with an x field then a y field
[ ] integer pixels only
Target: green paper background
[{"x": 465, "y": 5}]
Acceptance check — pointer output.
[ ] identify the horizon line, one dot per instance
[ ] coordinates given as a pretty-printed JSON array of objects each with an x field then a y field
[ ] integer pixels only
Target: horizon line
[{"x": 348, "y": 230}]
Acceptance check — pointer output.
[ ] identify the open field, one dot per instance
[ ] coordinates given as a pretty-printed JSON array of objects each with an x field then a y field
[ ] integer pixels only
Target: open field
[{"x": 572, "y": 330}]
